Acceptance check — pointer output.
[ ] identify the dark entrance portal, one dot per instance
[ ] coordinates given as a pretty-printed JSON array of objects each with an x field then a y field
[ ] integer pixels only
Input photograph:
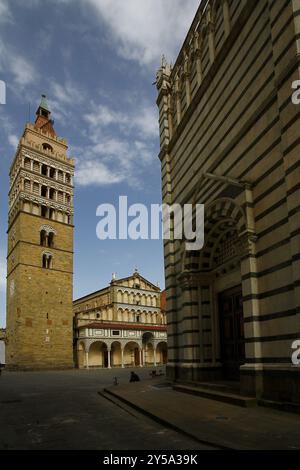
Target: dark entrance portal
[
  {"x": 232, "y": 332},
  {"x": 136, "y": 357},
  {"x": 105, "y": 358}
]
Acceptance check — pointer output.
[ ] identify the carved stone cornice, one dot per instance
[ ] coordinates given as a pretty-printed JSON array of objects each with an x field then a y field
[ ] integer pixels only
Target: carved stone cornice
[
  {"x": 48, "y": 229},
  {"x": 38, "y": 178},
  {"x": 23, "y": 196},
  {"x": 38, "y": 157},
  {"x": 59, "y": 165}
]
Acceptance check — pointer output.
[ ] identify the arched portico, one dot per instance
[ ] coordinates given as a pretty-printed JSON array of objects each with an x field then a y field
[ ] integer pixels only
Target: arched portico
[
  {"x": 120, "y": 353},
  {"x": 117, "y": 354},
  {"x": 148, "y": 348},
  {"x": 133, "y": 354},
  {"x": 98, "y": 354}
]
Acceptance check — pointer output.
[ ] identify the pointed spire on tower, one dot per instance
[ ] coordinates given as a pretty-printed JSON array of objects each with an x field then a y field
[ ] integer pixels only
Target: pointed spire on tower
[{"x": 43, "y": 120}]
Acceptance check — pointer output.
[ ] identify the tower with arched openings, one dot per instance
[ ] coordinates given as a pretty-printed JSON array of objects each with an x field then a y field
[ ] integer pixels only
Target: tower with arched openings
[{"x": 40, "y": 250}]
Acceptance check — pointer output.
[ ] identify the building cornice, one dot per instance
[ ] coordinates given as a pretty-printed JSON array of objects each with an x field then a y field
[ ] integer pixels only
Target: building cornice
[
  {"x": 209, "y": 77},
  {"x": 123, "y": 326}
]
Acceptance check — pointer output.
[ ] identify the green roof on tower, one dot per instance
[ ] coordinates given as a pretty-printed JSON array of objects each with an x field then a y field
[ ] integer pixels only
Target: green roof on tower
[{"x": 44, "y": 103}]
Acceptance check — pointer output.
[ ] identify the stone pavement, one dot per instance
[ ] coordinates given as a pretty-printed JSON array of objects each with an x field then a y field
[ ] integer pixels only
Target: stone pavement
[
  {"x": 211, "y": 422},
  {"x": 63, "y": 410}
]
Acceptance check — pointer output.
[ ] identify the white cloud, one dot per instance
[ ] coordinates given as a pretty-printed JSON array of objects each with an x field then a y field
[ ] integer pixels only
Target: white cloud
[
  {"x": 22, "y": 70},
  {"x": 5, "y": 13},
  {"x": 96, "y": 173},
  {"x": 113, "y": 160},
  {"x": 140, "y": 119},
  {"x": 104, "y": 116},
  {"x": 147, "y": 121},
  {"x": 67, "y": 94},
  {"x": 120, "y": 146},
  {"x": 144, "y": 30},
  {"x": 13, "y": 140},
  {"x": 8, "y": 131}
]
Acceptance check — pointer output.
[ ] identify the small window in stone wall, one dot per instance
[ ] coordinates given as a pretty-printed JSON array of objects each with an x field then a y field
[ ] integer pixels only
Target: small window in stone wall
[
  {"x": 116, "y": 333},
  {"x": 47, "y": 147}
]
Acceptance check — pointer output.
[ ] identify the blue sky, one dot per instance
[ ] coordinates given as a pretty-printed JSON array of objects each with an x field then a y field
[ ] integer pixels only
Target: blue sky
[{"x": 96, "y": 61}]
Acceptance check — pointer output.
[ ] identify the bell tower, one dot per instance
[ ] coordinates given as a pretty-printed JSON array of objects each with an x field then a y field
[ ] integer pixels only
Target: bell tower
[{"x": 40, "y": 250}]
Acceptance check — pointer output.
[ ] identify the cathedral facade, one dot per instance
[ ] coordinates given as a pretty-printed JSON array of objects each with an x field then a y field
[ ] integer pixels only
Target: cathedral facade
[
  {"x": 122, "y": 325},
  {"x": 230, "y": 140},
  {"x": 39, "y": 331}
]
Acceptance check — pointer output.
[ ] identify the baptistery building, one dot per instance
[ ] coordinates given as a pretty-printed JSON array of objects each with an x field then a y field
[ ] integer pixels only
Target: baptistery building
[{"x": 229, "y": 135}]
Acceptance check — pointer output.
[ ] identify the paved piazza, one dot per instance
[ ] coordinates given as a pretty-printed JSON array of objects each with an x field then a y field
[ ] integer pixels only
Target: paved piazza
[{"x": 63, "y": 410}]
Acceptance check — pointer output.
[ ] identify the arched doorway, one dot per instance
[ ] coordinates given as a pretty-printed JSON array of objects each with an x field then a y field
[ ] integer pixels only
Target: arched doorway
[
  {"x": 132, "y": 355},
  {"x": 232, "y": 337},
  {"x": 148, "y": 349},
  {"x": 149, "y": 354},
  {"x": 116, "y": 354},
  {"x": 98, "y": 354},
  {"x": 213, "y": 290},
  {"x": 225, "y": 265}
]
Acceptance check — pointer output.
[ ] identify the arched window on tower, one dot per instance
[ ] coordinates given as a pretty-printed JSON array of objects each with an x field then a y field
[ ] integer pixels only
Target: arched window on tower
[
  {"x": 52, "y": 172},
  {"x": 27, "y": 185},
  {"x": 44, "y": 211},
  {"x": 51, "y": 240},
  {"x": 43, "y": 238},
  {"x": 47, "y": 261},
  {"x": 44, "y": 190},
  {"x": 51, "y": 193},
  {"x": 44, "y": 170},
  {"x": 47, "y": 147},
  {"x": 27, "y": 163}
]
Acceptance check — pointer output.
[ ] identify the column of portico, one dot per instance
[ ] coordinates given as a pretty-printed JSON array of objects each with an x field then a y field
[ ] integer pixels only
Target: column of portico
[
  {"x": 141, "y": 357},
  {"x": 109, "y": 357},
  {"x": 154, "y": 355},
  {"x": 144, "y": 355},
  {"x": 122, "y": 357}
]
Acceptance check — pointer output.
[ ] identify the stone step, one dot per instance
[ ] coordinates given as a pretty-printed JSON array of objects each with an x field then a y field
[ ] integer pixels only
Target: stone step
[
  {"x": 211, "y": 394},
  {"x": 220, "y": 386}
]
